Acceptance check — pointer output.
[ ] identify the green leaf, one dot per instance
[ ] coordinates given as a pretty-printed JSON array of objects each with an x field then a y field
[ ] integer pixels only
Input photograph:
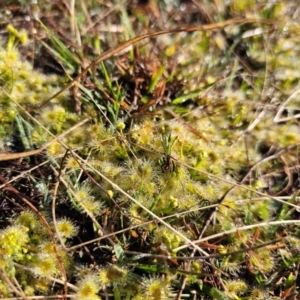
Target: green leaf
[
  {"x": 289, "y": 280},
  {"x": 214, "y": 293},
  {"x": 148, "y": 268},
  {"x": 60, "y": 50},
  {"x": 117, "y": 295},
  {"x": 156, "y": 78},
  {"x": 119, "y": 252},
  {"x": 183, "y": 98},
  {"x": 107, "y": 77}
]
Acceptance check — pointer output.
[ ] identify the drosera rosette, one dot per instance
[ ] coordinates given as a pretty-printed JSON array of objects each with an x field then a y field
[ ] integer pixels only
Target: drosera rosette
[
  {"x": 209, "y": 191},
  {"x": 42, "y": 284},
  {"x": 137, "y": 187},
  {"x": 78, "y": 138},
  {"x": 114, "y": 276},
  {"x": 36, "y": 230},
  {"x": 91, "y": 205},
  {"x": 232, "y": 263},
  {"x": 169, "y": 239},
  {"x": 143, "y": 134},
  {"x": 288, "y": 135},
  {"x": 177, "y": 193},
  {"x": 27, "y": 87},
  {"x": 261, "y": 261},
  {"x": 131, "y": 290},
  {"x": 259, "y": 294},
  {"x": 66, "y": 228},
  {"x": 98, "y": 137},
  {"x": 49, "y": 250},
  {"x": 178, "y": 129},
  {"x": 172, "y": 202},
  {"x": 13, "y": 244},
  {"x": 259, "y": 211},
  {"x": 111, "y": 170},
  {"x": 235, "y": 288},
  {"x": 44, "y": 265},
  {"x": 145, "y": 170},
  {"x": 39, "y": 136},
  {"x": 120, "y": 125},
  {"x": 139, "y": 177},
  {"x": 227, "y": 211},
  {"x": 166, "y": 205},
  {"x": 81, "y": 271},
  {"x": 85, "y": 201},
  {"x": 56, "y": 149},
  {"x": 53, "y": 118},
  {"x": 83, "y": 191},
  {"x": 156, "y": 288},
  {"x": 294, "y": 245},
  {"x": 29, "y": 290},
  {"x": 208, "y": 159},
  {"x": 28, "y": 219},
  {"x": 72, "y": 164},
  {"x": 88, "y": 287},
  {"x": 4, "y": 290}
]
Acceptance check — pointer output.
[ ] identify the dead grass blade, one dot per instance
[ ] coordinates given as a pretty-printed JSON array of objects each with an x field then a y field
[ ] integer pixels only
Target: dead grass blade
[{"x": 111, "y": 52}]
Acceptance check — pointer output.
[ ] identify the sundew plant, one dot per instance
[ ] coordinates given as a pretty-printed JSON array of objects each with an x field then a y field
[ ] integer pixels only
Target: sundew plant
[{"x": 149, "y": 150}]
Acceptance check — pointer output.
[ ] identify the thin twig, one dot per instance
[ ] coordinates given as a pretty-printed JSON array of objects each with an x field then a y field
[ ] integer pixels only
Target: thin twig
[
  {"x": 11, "y": 285},
  {"x": 282, "y": 107},
  {"x": 237, "y": 229}
]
